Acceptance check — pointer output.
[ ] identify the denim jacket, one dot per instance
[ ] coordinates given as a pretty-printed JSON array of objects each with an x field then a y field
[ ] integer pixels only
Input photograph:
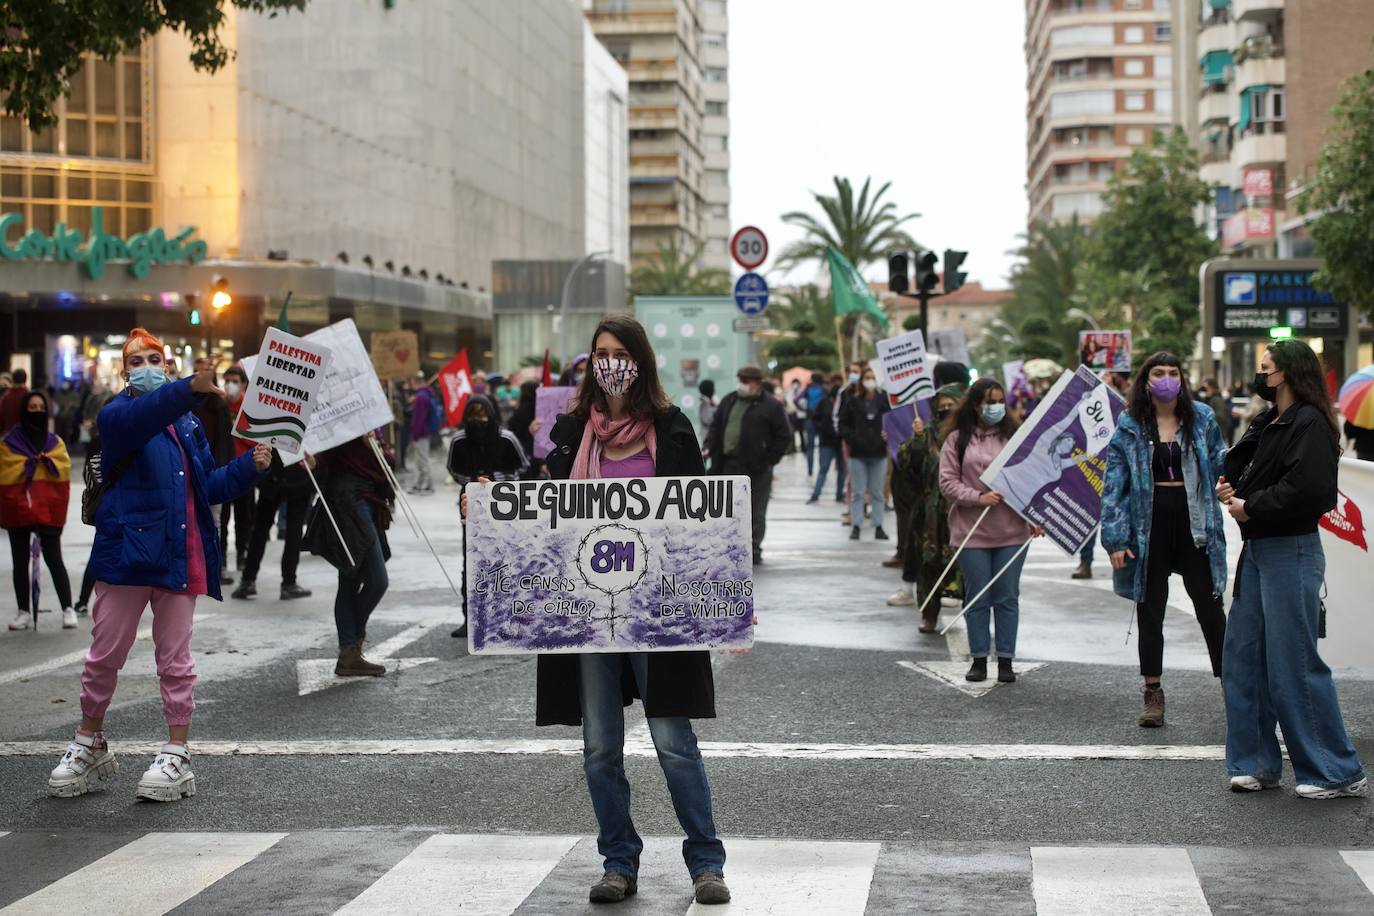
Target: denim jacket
[{"x": 1128, "y": 498}]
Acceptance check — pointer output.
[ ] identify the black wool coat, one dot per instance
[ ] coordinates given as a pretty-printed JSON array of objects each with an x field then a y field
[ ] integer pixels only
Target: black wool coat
[{"x": 679, "y": 683}]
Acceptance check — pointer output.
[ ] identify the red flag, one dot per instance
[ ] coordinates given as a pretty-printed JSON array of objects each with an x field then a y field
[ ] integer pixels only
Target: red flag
[
  {"x": 455, "y": 382},
  {"x": 547, "y": 381}
]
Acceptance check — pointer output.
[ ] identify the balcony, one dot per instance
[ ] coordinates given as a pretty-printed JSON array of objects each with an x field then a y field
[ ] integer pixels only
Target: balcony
[
  {"x": 651, "y": 22},
  {"x": 1260, "y": 148},
  {"x": 1078, "y": 7},
  {"x": 1216, "y": 38},
  {"x": 1218, "y": 173},
  {"x": 1216, "y": 106},
  {"x": 1269, "y": 71},
  {"x": 654, "y": 215},
  {"x": 1264, "y": 10}
]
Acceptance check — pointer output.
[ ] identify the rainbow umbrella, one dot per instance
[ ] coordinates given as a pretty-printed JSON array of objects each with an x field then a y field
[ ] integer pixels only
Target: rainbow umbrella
[{"x": 1357, "y": 398}]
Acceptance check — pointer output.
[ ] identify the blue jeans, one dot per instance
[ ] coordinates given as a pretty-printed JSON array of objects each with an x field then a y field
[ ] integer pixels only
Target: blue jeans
[
  {"x": 979, "y": 565},
  {"x": 829, "y": 455},
  {"x": 809, "y": 444},
  {"x": 1272, "y": 673},
  {"x": 603, "y": 750},
  {"x": 868, "y": 474},
  {"x": 359, "y": 594}
]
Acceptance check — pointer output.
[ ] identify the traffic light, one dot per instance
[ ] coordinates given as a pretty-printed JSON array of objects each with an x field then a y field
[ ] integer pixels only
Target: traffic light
[
  {"x": 954, "y": 277},
  {"x": 897, "y": 275},
  {"x": 926, "y": 278},
  {"x": 195, "y": 316},
  {"x": 219, "y": 294}
]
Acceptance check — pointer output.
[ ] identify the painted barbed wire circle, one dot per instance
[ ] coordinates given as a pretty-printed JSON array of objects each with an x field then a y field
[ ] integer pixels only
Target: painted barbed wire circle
[{"x": 612, "y": 559}]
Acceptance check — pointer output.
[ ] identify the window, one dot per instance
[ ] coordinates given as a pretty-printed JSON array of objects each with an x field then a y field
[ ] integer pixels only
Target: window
[
  {"x": 715, "y": 74},
  {"x": 1164, "y": 101},
  {"x": 1135, "y": 136},
  {"x": 1135, "y": 67},
  {"x": 1133, "y": 34},
  {"x": 1080, "y": 103},
  {"x": 1081, "y": 35},
  {"x": 1164, "y": 63},
  {"x": 1164, "y": 6},
  {"x": 717, "y": 178},
  {"x": 621, "y": 7},
  {"x": 1082, "y": 203},
  {"x": 713, "y": 41},
  {"x": 1164, "y": 33},
  {"x": 715, "y": 109},
  {"x": 716, "y": 144},
  {"x": 1133, "y": 101},
  {"x": 1133, "y": 4}
]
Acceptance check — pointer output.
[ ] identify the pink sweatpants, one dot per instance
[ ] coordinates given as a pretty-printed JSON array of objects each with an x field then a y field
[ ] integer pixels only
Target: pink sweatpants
[{"x": 115, "y": 615}]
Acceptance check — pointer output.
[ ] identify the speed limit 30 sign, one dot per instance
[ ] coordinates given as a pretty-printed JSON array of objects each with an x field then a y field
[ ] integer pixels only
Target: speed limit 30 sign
[{"x": 749, "y": 247}]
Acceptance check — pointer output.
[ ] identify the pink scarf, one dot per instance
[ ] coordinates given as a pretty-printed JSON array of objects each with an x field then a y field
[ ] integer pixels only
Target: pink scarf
[{"x": 602, "y": 432}]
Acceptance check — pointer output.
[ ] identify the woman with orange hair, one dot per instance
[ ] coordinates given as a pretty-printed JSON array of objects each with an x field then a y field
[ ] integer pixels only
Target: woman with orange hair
[{"x": 156, "y": 544}]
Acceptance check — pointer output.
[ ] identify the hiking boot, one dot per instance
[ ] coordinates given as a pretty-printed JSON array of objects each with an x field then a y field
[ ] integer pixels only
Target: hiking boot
[
  {"x": 247, "y": 589},
  {"x": 1152, "y": 716},
  {"x": 710, "y": 889},
  {"x": 20, "y": 621},
  {"x": 1084, "y": 570},
  {"x": 1004, "y": 673},
  {"x": 879, "y": 534},
  {"x": 978, "y": 671},
  {"x": 1252, "y": 784},
  {"x": 169, "y": 777},
  {"x": 88, "y": 761},
  {"x": 901, "y": 598},
  {"x": 1357, "y": 789},
  {"x": 613, "y": 888},
  {"x": 352, "y": 664},
  {"x": 854, "y": 533},
  {"x": 288, "y": 592},
  {"x": 68, "y": 618}
]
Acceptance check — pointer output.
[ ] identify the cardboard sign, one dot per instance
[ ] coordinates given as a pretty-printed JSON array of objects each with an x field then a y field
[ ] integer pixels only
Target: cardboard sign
[
  {"x": 1105, "y": 351},
  {"x": 395, "y": 355},
  {"x": 905, "y": 368},
  {"x": 657, "y": 564},
  {"x": 284, "y": 391},
  {"x": 1345, "y": 538},
  {"x": 548, "y": 404},
  {"x": 1052, "y": 470}
]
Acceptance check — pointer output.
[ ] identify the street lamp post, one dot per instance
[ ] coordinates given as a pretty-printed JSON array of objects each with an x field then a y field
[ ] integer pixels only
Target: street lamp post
[{"x": 563, "y": 309}]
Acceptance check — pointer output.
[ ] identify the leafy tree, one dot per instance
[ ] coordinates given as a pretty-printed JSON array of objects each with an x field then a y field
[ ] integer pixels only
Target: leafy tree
[
  {"x": 911, "y": 322},
  {"x": 1045, "y": 286},
  {"x": 804, "y": 349},
  {"x": 807, "y": 319},
  {"x": 673, "y": 271},
  {"x": 1342, "y": 192},
  {"x": 864, "y": 230},
  {"x": 45, "y": 41}
]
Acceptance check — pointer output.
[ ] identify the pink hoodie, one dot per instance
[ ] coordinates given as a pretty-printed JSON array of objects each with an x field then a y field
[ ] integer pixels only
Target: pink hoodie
[{"x": 961, "y": 486}]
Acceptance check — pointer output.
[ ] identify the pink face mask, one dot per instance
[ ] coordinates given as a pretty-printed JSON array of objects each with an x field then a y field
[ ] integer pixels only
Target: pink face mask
[
  {"x": 615, "y": 376},
  {"x": 1166, "y": 388}
]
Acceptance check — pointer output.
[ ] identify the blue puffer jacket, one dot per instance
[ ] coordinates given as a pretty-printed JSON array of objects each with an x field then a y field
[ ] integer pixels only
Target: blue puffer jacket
[
  {"x": 1128, "y": 498},
  {"x": 140, "y": 527}
]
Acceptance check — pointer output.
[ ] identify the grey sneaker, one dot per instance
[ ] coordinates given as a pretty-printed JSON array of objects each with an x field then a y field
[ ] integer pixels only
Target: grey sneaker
[
  {"x": 613, "y": 888},
  {"x": 710, "y": 889}
]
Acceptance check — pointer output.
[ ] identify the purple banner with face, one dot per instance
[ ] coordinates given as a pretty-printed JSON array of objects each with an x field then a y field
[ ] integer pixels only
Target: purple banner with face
[
  {"x": 613, "y": 565},
  {"x": 548, "y": 404},
  {"x": 1052, "y": 470}
]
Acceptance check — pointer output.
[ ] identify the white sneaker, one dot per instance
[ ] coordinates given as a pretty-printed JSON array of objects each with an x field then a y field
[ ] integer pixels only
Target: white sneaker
[
  {"x": 901, "y": 598},
  {"x": 68, "y": 618},
  {"x": 946, "y": 601},
  {"x": 21, "y": 621},
  {"x": 1357, "y": 789},
  {"x": 85, "y": 760},
  {"x": 169, "y": 777},
  {"x": 1252, "y": 784}
]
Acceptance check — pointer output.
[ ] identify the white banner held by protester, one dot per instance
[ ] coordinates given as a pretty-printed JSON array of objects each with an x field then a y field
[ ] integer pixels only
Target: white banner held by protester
[
  {"x": 283, "y": 392},
  {"x": 906, "y": 368},
  {"x": 351, "y": 400},
  {"x": 1346, "y": 538}
]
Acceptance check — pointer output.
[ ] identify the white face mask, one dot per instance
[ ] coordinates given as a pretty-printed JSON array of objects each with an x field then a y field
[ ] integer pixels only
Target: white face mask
[
  {"x": 870, "y": 384},
  {"x": 232, "y": 389}
]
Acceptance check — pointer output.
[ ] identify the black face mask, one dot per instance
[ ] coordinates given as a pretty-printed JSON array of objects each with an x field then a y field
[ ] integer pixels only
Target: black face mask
[
  {"x": 1263, "y": 389},
  {"x": 943, "y": 415},
  {"x": 475, "y": 428},
  {"x": 35, "y": 420}
]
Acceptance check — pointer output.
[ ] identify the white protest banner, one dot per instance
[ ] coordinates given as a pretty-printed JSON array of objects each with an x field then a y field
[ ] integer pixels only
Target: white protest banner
[
  {"x": 351, "y": 401},
  {"x": 657, "y": 564},
  {"x": 283, "y": 393},
  {"x": 1345, "y": 539},
  {"x": 951, "y": 346},
  {"x": 904, "y": 364}
]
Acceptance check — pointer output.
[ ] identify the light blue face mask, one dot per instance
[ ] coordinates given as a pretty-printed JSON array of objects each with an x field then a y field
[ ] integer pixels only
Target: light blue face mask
[
  {"x": 147, "y": 378},
  {"x": 994, "y": 413}
]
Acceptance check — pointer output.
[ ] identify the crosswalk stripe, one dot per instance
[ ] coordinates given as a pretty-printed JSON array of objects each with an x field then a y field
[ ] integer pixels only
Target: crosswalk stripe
[
  {"x": 1362, "y": 863},
  {"x": 1079, "y": 881},
  {"x": 796, "y": 876},
  {"x": 469, "y": 873},
  {"x": 153, "y": 874}
]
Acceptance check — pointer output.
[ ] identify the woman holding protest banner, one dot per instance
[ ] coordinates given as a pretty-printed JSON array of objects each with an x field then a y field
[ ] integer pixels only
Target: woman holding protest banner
[
  {"x": 1280, "y": 480},
  {"x": 1158, "y": 515},
  {"x": 988, "y": 535},
  {"x": 155, "y": 543},
  {"x": 623, "y": 425}
]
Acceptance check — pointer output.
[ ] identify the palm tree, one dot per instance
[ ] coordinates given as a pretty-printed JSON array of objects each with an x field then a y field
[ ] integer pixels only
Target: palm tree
[
  {"x": 799, "y": 317},
  {"x": 863, "y": 230},
  {"x": 1046, "y": 285},
  {"x": 675, "y": 271},
  {"x": 803, "y": 304}
]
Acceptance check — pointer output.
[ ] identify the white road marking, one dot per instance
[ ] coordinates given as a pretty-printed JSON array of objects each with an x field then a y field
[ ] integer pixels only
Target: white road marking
[
  {"x": 1362, "y": 863},
  {"x": 316, "y": 674},
  {"x": 787, "y": 876},
  {"x": 555, "y": 747},
  {"x": 456, "y": 873},
  {"x": 951, "y": 674},
  {"x": 1081, "y": 881},
  {"x": 72, "y": 658},
  {"x": 153, "y": 874}
]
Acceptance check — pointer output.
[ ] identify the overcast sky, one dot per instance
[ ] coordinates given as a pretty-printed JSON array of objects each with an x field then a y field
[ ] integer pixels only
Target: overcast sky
[{"x": 928, "y": 94}]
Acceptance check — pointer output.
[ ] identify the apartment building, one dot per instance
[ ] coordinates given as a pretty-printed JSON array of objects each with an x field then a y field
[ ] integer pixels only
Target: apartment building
[
  {"x": 675, "y": 54},
  {"x": 1255, "y": 82},
  {"x": 1099, "y": 80}
]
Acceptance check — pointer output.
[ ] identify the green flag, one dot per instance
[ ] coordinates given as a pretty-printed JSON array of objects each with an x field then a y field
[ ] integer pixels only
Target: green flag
[
  {"x": 850, "y": 291},
  {"x": 282, "y": 323}
]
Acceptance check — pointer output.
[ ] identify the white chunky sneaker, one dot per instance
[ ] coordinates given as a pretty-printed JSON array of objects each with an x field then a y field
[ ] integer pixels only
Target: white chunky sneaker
[
  {"x": 169, "y": 777},
  {"x": 901, "y": 598},
  {"x": 68, "y": 618},
  {"x": 1357, "y": 789},
  {"x": 1252, "y": 784},
  {"x": 20, "y": 621},
  {"x": 87, "y": 763}
]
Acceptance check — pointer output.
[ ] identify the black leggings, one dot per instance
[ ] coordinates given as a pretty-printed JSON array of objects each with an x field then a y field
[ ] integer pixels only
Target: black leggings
[
  {"x": 50, "y": 540},
  {"x": 1171, "y": 549}
]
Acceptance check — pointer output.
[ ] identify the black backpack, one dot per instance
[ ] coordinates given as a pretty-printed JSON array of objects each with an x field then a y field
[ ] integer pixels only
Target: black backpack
[{"x": 96, "y": 484}]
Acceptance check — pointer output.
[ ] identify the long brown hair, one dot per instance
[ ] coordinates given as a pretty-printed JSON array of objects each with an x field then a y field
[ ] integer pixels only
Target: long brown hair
[
  {"x": 646, "y": 399},
  {"x": 967, "y": 412},
  {"x": 1302, "y": 371}
]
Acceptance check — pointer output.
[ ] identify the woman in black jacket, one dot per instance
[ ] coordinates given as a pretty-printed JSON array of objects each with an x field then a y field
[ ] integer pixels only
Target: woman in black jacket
[
  {"x": 861, "y": 428},
  {"x": 623, "y": 425},
  {"x": 823, "y": 417},
  {"x": 1280, "y": 480}
]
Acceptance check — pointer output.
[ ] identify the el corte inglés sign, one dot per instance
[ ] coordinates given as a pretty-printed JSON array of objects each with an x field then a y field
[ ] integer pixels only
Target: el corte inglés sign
[{"x": 142, "y": 251}]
